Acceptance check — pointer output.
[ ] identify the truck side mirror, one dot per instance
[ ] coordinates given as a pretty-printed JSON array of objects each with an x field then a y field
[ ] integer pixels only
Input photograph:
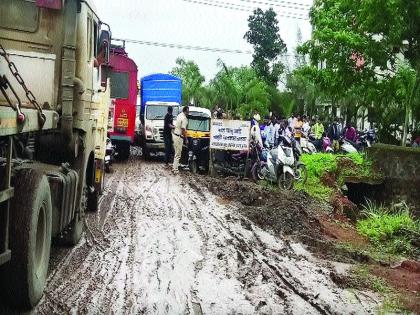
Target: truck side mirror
[{"x": 104, "y": 46}]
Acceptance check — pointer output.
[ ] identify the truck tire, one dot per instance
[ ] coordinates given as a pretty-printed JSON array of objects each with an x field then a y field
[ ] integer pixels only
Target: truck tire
[
  {"x": 145, "y": 152},
  {"x": 194, "y": 167},
  {"x": 123, "y": 148},
  {"x": 24, "y": 277}
]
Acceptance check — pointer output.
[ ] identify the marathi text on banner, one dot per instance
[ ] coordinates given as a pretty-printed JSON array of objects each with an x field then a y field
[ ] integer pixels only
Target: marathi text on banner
[{"x": 230, "y": 134}]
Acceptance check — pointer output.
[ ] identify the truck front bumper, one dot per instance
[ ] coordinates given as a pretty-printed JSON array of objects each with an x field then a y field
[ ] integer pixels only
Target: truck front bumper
[{"x": 155, "y": 145}]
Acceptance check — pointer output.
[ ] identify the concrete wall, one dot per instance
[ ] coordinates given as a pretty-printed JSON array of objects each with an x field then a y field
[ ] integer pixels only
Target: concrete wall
[{"x": 401, "y": 169}]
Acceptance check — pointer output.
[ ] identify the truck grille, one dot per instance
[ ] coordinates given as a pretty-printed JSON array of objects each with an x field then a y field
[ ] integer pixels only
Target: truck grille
[{"x": 159, "y": 134}]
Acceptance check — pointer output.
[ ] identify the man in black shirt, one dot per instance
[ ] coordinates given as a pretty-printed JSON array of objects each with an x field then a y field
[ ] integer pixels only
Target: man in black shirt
[{"x": 167, "y": 135}]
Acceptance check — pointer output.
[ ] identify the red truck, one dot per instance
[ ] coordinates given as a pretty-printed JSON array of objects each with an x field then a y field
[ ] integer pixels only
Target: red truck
[{"x": 124, "y": 91}]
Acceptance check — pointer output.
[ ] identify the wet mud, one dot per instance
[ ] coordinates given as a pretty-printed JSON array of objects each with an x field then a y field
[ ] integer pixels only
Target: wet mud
[{"x": 166, "y": 244}]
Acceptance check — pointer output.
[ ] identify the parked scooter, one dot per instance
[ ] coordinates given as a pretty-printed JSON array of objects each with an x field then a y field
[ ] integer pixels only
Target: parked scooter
[
  {"x": 301, "y": 173},
  {"x": 346, "y": 146},
  {"x": 278, "y": 166},
  {"x": 110, "y": 154},
  {"x": 307, "y": 146},
  {"x": 366, "y": 139}
]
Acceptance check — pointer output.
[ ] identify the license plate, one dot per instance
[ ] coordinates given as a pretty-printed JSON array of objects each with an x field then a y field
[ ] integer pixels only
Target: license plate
[{"x": 122, "y": 122}]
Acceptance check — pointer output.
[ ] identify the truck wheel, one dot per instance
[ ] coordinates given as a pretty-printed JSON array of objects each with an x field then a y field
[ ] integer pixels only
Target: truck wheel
[
  {"x": 145, "y": 152},
  {"x": 75, "y": 230},
  {"x": 30, "y": 239},
  {"x": 123, "y": 148},
  {"x": 194, "y": 167}
]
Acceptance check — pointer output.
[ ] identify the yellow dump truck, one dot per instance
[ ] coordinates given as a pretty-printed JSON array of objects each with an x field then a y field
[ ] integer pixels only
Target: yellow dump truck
[{"x": 54, "y": 99}]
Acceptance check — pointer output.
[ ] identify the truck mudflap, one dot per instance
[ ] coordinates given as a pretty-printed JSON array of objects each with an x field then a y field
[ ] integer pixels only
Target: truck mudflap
[{"x": 9, "y": 124}]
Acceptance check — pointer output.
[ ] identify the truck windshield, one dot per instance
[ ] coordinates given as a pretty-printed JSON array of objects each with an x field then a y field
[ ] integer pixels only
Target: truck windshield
[
  {"x": 197, "y": 123},
  {"x": 158, "y": 112},
  {"x": 119, "y": 85}
]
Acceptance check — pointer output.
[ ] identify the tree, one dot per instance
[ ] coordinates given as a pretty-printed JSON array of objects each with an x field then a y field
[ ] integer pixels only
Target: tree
[
  {"x": 360, "y": 44},
  {"x": 192, "y": 79},
  {"x": 263, "y": 35},
  {"x": 240, "y": 91}
]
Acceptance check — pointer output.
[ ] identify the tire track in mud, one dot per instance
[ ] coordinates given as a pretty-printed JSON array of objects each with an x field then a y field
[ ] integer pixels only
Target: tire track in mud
[{"x": 160, "y": 244}]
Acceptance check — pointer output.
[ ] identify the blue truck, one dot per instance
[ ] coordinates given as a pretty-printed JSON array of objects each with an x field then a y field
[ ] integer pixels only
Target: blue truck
[{"x": 157, "y": 92}]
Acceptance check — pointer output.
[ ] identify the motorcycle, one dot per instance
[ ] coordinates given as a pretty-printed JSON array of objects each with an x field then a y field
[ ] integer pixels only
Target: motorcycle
[
  {"x": 301, "y": 173},
  {"x": 307, "y": 146},
  {"x": 367, "y": 139},
  {"x": 238, "y": 164},
  {"x": 347, "y": 146},
  {"x": 110, "y": 154},
  {"x": 277, "y": 165}
]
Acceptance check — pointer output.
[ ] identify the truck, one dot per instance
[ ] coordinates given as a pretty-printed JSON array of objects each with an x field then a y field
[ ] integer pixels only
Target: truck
[
  {"x": 124, "y": 92},
  {"x": 157, "y": 92},
  {"x": 54, "y": 104}
]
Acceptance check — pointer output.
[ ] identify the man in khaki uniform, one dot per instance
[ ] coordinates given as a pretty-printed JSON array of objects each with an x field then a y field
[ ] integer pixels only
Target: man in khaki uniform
[{"x": 179, "y": 136}]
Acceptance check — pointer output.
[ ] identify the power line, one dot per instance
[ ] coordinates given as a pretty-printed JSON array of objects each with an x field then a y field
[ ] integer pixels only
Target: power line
[
  {"x": 238, "y": 7},
  {"x": 182, "y": 46},
  {"x": 287, "y": 5},
  {"x": 241, "y": 6},
  {"x": 191, "y": 47},
  {"x": 303, "y": 5},
  {"x": 230, "y": 6}
]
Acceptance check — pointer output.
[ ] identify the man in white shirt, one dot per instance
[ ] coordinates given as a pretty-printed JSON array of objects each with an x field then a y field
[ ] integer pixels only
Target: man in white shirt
[
  {"x": 269, "y": 134},
  {"x": 276, "y": 132},
  {"x": 255, "y": 130},
  {"x": 179, "y": 136}
]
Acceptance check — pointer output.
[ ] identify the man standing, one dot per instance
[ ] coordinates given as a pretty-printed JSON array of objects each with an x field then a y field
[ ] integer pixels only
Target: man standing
[
  {"x": 318, "y": 130},
  {"x": 167, "y": 135},
  {"x": 269, "y": 134},
  {"x": 179, "y": 136}
]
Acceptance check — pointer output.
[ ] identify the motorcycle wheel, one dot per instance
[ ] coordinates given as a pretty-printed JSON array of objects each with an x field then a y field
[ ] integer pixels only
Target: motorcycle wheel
[
  {"x": 256, "y": 172},
  {"x": 301, "y": 173},
  {"x": 285, "y": 181},
  {"x": 193, "y": 167}
]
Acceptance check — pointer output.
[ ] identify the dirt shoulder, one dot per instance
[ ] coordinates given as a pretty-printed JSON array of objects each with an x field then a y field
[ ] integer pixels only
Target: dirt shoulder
[{"x": 327, "y": 234}]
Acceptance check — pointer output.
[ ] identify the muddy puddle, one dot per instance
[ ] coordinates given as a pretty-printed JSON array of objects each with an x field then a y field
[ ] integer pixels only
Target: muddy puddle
[{"x": 165, "y": 244}]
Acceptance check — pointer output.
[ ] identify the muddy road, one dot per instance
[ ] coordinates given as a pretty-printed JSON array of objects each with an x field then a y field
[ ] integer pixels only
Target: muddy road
[{"x": 163, "y": 244}]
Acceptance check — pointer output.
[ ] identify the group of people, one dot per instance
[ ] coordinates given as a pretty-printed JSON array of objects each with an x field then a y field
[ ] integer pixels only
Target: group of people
[
  {"x": 272, "y": 128},
  {"x": 174, "y": 136}
]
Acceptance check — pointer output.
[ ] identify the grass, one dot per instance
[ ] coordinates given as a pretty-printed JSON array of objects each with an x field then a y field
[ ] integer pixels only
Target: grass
[
  {"x": 366, "y": 279},
  {"x": 389, "y": 230},
  {"x": 392, "y": 303},
  {"x": 322, "y": 163}
]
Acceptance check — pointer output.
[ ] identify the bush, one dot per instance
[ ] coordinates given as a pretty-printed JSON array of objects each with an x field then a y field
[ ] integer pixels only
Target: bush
[
  {"x": 389, "y": 229},
  {"x": 321, "y": 163}
]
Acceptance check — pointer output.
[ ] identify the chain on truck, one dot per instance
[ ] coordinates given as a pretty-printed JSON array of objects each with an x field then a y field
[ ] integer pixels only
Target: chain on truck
[{"x": 54, "y": 104}]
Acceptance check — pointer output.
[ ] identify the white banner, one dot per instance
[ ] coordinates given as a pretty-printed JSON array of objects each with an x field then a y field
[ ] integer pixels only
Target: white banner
[{"x": 230, "y": 134}]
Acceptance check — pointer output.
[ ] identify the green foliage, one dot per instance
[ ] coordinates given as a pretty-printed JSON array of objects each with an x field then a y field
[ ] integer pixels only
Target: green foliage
[
  {"x": 356, "y": 50},
  {"x": 389, "y": 229},
  {"x": 322, "y": 163},
  {"x": 192, "y": 79},
  {"x": 263, "y": 35},
  {"x": 317, "y": 165},
  {"x": 240, "y": 91}
]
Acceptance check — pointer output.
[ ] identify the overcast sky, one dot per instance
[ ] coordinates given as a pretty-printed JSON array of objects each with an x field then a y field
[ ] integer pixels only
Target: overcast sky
[{"x": 188, "y": 23}]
